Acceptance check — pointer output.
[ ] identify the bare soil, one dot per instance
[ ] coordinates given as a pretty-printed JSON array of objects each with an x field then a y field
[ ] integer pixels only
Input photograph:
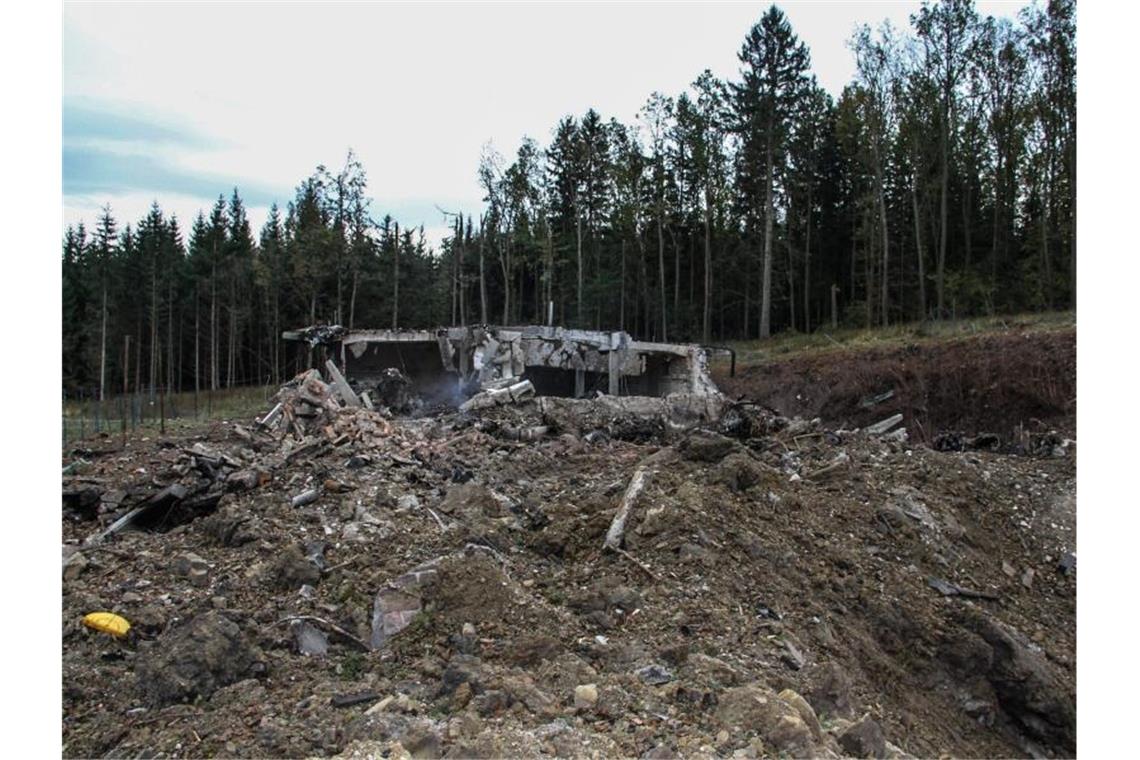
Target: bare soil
[
  {"x": 926, "y": 595},
  {"x": 1003, "y": 383}
]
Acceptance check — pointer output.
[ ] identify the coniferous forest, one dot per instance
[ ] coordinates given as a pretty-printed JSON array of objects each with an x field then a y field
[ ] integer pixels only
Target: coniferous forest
[{"x": 941, "y": 183}]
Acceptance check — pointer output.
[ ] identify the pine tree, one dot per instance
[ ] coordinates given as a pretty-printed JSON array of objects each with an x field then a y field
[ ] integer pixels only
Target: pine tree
[{"x": 775, "y": 64}]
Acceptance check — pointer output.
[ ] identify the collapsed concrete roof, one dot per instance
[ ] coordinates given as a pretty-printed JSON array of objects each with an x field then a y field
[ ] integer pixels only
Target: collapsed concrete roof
[{"x": 558, "y": 361}]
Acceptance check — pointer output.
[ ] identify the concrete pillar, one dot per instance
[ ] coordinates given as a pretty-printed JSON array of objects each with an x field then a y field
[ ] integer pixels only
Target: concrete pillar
[{"x": 615, "y": 357}]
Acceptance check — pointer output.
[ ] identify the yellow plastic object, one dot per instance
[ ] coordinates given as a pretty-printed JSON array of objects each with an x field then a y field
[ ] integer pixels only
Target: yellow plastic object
[{"x": 107, "y": 622}]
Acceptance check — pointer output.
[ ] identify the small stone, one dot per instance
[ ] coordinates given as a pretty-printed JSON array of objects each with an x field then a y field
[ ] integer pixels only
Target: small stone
[
  {"x": 807, "y": 714},
  {"x": 310, "y": 640},
  {"x": 74, "y": 566},
  {"x": 462, "y": 696},
  {"x": 199, "y": 576},
  {"x": 585, "y": 696},
  {"x": 1008, "y": 569},
  {"x": 409, "y": 502},
  {"x": 421, "y": 741},
  {"x": 1027, "y": 578},
  {"x": 722, "y": 736},
  {"x": 186, "y": 564},
  {"x": 492, "y": 702},
  {"x": 655, "y": 675},
  {"x": 380, "y": 706},
  {"x": 864, "y": 739},
  {"x": 468, "y": 629},
  {"x": 792, "y": 656},
  {"x": 131, "y": 597}
]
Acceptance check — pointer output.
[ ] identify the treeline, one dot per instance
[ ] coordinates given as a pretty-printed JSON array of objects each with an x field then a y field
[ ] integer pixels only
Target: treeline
[
  {"x": 941, "y": 183},
  {"x": 143, "y": 308}
]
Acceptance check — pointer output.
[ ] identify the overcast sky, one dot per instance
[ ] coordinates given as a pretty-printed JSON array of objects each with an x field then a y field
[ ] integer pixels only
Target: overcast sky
[{"x": 180, "y": 102}]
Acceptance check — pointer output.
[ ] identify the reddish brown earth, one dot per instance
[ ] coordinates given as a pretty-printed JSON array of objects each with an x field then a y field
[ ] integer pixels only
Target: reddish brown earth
[{"x": 1001, "y": 383}]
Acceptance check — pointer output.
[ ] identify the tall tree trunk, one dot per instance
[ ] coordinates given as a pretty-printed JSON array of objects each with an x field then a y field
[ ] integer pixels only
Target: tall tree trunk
[
  {"x": 918, "y": 250},
  {"x": 352, "y": 299},
  {"x": 621, "y": 300},
  {"x": 886, "y": 245},
  {"x": 197, "y": 332},
  {"x": 1072, "y": 161},
  {"x": 396, "y": 278},
  {"x": 869, "y": 268},
  {"x": 578, "y": 237},
  {"x": 676, "y": 276},
  {"x": 549, "y": 300},
  {"x": 967, "y": 224},
  {"x": 644, "y": 321},
  {"x": 482, "y": 277},
  {"x": 791, "y": 279},
  {"x": 455, "y": 243},
  {"x": 276, "y": 337},
  {"x": 214, "y": 375},
  {"x": 943, "y": 230},
  {"x": 231, "y": 363},
  {"x": 766, "y": 275},
  {"x": 747, "y": 292},
  {"x": 103, "y": 348},
  {"x": 995, "y": 243},
  {"x": 705, "y": 312},
  {"x": 1046, "y": 266},
  {"x": 152, "y": 365},
  {"x": 169, "y": 333},
  {"x": 505, "y": 265},
  {"x": 661, "y": 268},
  {"x": 807, "y": 264},
  {"x": 459, "y": 276},
  {"x": 339, "y": 287}
]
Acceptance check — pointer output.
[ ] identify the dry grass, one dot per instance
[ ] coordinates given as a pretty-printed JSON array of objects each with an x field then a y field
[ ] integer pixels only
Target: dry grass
[{"x": 788, "y": 344}]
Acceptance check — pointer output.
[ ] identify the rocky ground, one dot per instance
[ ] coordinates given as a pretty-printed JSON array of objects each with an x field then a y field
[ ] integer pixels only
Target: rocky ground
[{"x": 781, "y": 587}]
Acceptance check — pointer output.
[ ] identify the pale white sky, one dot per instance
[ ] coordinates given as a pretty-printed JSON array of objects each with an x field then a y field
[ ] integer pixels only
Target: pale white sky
[{"x": 179, "y": 102}]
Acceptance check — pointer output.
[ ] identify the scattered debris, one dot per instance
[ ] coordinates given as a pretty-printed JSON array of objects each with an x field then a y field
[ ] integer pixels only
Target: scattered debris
[
  {"x": 632, "y": 491},
  {"x": 446, "y": 576},
  {"x": 946, "y": 588},
  {"x": 355, "y": 698},
  {"x": 883, "y": 426}
]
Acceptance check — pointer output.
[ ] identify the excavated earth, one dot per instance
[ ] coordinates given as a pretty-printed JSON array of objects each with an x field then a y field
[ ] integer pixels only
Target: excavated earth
[{"x": 784, "y": 588}]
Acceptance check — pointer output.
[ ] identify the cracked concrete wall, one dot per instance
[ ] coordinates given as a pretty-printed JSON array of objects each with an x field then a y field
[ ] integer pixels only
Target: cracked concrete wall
[{"x": 611, "y": 362}]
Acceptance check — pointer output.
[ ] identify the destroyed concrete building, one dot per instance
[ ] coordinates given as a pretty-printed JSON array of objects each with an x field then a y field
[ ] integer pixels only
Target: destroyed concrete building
[{"x": 449, "y": 364}]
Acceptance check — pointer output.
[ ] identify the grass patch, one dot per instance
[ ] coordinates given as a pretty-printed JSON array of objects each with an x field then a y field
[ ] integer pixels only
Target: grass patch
[
  {"x": 85, "y": 418},
  {"x": 786, "y": 344}
]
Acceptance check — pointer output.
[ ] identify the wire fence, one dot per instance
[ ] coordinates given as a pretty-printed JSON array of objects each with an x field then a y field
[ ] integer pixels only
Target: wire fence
[{"x": 85, "y": 414}]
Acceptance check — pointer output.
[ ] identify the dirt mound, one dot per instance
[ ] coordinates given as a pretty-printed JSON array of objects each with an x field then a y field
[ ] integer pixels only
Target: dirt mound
[
  {"x": 1011, "y": 385},
  {"x": 779, "y": 587}
]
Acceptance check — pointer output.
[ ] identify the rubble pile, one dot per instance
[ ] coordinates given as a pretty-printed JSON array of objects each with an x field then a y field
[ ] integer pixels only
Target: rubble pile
[{"x": 640, "y": 577}]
